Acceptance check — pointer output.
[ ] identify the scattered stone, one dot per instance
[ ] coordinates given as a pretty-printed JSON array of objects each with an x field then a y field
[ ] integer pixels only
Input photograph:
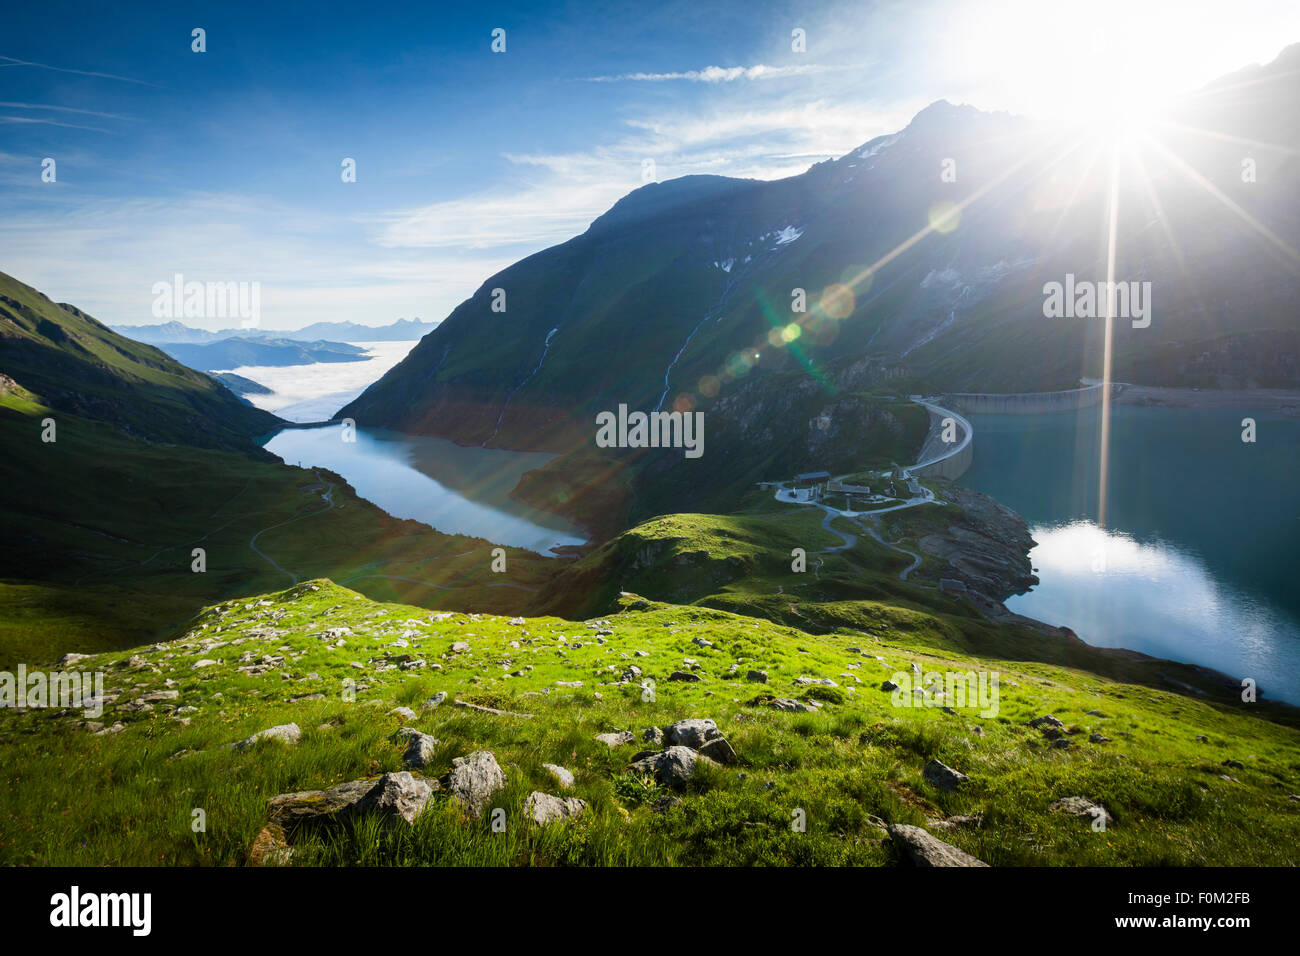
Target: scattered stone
[
  {"x": 673, "y": 767},
  {"x": 924, "y": 850},
  {"x": 398, "y": 794},
  {"x": 1096, "y": 738},
  {"x": 563, "y": 777},
  {"x": 419, "y": 750},
  {"x": 1082, "y": 807},
  {"x": 943, "y": 777},
  {"x": 288, "y": 734},
  {"x": 403, "y": 712},
  {"x": 972, "y": 820},
  {"x": 435, "y": 701},
  {"x": 758, "y": 677},
  {"x": 474, "y": 779},
  {"x": 394, "y": 794},
  {"x": 459, "y": 647},
  {"x": 693, "y": 732},
  {"x": 665, "y": 803},
  {"x": 786, "y": 704},
  {"x": 719, "y": 750},
  {"x": 619, "y": 738},
  {"x": 1047, "y": 720},
  {"x": 888, "y": 685},
  {"x": 542, "y": 808},
  {"x": 479, "y": 708},
  {"x": 270, "y": 847},
  {"x": 1234, "y": 764},
  {"x": 684, "y": 676},
  {"x": 653, "y": 735},
  {"x": 823, "y": 681}
]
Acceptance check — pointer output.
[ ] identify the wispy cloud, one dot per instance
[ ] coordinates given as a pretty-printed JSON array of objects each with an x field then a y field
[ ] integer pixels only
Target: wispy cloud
[
  {"x": 35, "y": 120},
  {"x": 715, "y": 74},
  {"x": 61, "y": 109},
  {"x": 11, "y": 61},
  {"x": 555, "y": 196}
]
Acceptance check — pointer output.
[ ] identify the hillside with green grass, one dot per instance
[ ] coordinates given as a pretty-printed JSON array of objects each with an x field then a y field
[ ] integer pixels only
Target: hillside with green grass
[
  {"x": 73, "y": 364},
  {"x": 101, "y": 528},
  {"x": 1182, "y": 781}
]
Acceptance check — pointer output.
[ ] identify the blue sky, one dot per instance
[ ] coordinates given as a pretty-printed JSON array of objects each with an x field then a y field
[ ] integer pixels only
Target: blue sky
[{"x": 225, "y": 165}]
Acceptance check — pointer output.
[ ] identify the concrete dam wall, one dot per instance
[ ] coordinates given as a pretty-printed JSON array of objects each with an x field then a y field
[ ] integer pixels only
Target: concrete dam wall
[
  {"x": 940, "y": 459},
  {"x": 1028, "y": 403}
]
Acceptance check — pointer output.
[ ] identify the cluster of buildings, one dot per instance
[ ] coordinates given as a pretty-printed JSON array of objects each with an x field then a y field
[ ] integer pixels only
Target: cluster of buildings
[{"x": 811, "y": 486}]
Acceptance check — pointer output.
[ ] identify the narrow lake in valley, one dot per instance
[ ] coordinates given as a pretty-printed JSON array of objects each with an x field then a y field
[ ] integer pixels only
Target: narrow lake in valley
[
  {"x": 1198, "y": 559},
  {"x": 454, "y": 489}
]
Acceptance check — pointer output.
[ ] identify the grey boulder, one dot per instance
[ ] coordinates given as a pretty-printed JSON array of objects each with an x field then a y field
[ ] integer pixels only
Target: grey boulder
[
  {"x": 924, "y": 850},
  {"x": 542, "y": 808},
  {"x": 474, "y": 779}
]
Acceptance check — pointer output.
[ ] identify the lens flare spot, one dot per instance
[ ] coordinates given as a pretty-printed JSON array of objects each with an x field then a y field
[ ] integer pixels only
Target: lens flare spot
[
  {"x": 710, "y": 385},
  {"x": 684, "y": 403},
  {"x": 791, "y": 332},
  {"x": 944, "y": 217},
  {"x": 838, "y": 301},
  {"x": 739, "y": 364}
]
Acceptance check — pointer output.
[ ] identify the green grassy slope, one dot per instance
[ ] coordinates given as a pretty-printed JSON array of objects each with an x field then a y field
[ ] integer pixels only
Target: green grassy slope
[
  {"x": 127, "y": 798},
  {"x": 75, "y": 364},
  {"x": 100, "y": 529},
  {"x": 742, "y": 564}
]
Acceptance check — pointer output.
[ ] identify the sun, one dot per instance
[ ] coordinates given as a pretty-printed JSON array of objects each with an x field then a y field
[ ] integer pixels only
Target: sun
[{"x": 1111, "y": 65}]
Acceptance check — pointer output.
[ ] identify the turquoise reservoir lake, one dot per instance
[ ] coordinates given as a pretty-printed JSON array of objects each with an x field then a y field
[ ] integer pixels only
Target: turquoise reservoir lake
[
  {"x": 454, "y": 489},
  {"x": 1198, "y": 559}
]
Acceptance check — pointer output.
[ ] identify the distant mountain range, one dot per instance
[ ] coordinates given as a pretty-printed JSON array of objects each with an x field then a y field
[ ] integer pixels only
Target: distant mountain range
[
  {"x": 178, "y": 333},
  {"x": 238, "y": 352}
]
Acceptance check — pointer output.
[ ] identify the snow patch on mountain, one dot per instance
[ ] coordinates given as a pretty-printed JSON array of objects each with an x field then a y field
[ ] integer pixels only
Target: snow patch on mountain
[{"x": 878, "y": 146}]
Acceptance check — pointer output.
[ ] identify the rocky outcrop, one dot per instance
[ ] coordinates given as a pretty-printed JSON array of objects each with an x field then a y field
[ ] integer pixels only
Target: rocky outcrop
[{"x": 986, "y": 547}]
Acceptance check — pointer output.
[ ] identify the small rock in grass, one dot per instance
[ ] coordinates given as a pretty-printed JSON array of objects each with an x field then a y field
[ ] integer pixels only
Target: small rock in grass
[
  {"x": 543, "y": 808},
  {"x": 942, "y": 776},
  {"x": 562, "y": 776},
  {"x": 285, "y": 733}
]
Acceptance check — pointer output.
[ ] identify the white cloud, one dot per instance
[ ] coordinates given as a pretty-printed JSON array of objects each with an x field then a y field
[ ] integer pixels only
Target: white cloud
[
  {"x": 716, "y": 74},
  {"x": 557, "y": 195}
]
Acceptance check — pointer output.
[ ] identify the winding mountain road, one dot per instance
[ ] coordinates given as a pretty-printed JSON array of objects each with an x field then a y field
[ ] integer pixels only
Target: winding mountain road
[{"x": 328, "y": 497}]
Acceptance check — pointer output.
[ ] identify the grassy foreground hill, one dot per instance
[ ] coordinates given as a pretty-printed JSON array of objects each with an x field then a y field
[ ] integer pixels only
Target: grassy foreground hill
[{"x": 125, "y": 788}]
